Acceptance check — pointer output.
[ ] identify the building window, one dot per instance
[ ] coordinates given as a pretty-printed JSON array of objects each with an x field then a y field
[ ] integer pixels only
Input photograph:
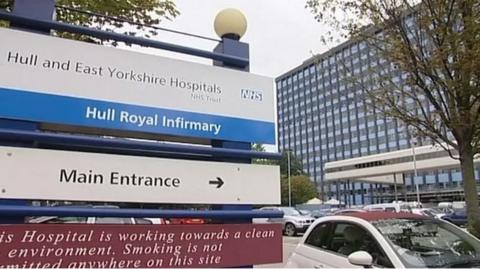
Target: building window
[{"x": 456, "y": 176}]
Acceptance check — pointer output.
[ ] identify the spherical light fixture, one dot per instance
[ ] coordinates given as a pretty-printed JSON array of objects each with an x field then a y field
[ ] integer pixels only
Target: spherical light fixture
[{"x": 230, "y": 23}]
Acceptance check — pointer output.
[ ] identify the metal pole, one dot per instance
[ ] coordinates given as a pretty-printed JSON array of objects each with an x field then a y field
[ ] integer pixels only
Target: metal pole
[
  {"x": 349, "y": 193},
  {"x": 395, "y": 186},
  {"x": 289, "y": 180},
  {"x": 33, "y": 9},
  {"x": 415, "y": 172}
]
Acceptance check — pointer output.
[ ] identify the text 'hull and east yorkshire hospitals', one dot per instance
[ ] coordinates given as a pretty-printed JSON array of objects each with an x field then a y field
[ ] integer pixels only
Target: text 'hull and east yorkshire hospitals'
[{"x": 95, "y": 86}]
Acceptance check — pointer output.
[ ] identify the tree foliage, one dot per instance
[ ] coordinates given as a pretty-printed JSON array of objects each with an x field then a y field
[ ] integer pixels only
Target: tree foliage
[
  {"x": 6, "y": 4},
  {"x": 296, "y": 166},
  {"x": 303, "y": 189},
  {"x": 429, "y": 74},
  {"x": 147, "y": 12},
  {"x": 258, "y": 147},
  {"x": 261, "y": 148}
]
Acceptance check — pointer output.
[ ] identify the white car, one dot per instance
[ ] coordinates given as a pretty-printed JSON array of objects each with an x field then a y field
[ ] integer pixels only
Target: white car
[
  {"x": 389, "y": 207},
  {"x": 430, "y": 212},
  {"x": 293, "y": 221},
  {"x": 385, "y": 239}
]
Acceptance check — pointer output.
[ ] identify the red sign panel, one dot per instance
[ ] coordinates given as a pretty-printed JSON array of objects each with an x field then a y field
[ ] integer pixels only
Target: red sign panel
[{"x": 138, "y": 246}]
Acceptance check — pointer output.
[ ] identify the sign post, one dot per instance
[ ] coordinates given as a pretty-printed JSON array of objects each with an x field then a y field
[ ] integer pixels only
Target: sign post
[
  {"x": 231, "y": 45},
  {"x": 78, "y": 88},
  {"x": 45, "y": 10}
]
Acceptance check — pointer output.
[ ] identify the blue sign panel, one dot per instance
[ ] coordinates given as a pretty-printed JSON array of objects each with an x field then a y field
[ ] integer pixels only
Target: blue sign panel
[{"x": 50, "y": 108}]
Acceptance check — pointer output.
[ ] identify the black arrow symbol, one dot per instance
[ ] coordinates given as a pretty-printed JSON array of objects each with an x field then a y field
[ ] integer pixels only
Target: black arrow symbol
[{"x": 219, "y": 182}]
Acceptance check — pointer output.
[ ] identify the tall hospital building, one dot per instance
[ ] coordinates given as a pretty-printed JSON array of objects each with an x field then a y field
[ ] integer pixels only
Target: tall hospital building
[{"x": 323, "y": 118}]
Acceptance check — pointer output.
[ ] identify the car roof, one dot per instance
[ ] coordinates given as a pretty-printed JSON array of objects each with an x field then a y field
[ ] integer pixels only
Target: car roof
[
  {"x": 276, "y": 207},
  {"x": 378, "y": 215},
  {"x": 351, "y": 210}
]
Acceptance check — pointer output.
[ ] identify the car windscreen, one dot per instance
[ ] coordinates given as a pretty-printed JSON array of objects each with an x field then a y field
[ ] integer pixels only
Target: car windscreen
[
  {"x": 428, "y": 213},
  {"x": 288, "y": 211},
  {"x": 436, "y": 210},
  {"x": 113, "y": 220},
  {"x": 430, "y": 243}
]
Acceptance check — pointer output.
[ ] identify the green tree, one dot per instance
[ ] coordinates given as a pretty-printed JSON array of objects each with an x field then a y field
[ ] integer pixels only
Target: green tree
[
  {"x": 6, "y": 4},
  {"x": 258, "y": 147},
  {"x": 148, "y": 12},
  {"x": 303, "y": 189},
  {"x": 433, "y": 45},
  {"x": 261, "y": 148},
  {"x": 296, "y": 166}
]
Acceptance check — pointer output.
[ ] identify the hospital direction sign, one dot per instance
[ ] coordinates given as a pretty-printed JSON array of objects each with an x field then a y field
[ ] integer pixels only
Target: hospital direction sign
[
  {"x": 54, "y": 80},
  {"x": 77, "y": 176}
]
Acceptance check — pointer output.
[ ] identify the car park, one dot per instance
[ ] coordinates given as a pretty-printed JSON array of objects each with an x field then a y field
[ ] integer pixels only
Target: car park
[
  {"x": 431, "y": 212},
  {"x": 305, "y": 212},
  {"x": 187, "y": 221},
  {"x": 458, "y": 218},
  {"x": 385, "y": 239},
  {"x": 314, "y": 213},
  {"x": 293, "y": 221},
  {"x": 390, "y": 207},
  {"x": 348, "y": 210},
  {"x": 95, "y": 220}
]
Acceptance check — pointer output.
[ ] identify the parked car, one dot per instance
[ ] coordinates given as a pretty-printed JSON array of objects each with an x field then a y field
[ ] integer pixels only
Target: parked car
[
  {"x": 187, "y": 221},
  {"x": 293, "y": 221},
  {"x": 455, "y": 205},
  {"x": 305, "y": 212},
  {"x": 385, "y": 239},
  {"x": 348, "y": 210},
  {"x": 390, "y": 207},
  {"x": 457, "y": 217},
  {"x": 434, "y": 212},
  {"x": 315, "y": 213},
  {"x": 96, "y": 220}
]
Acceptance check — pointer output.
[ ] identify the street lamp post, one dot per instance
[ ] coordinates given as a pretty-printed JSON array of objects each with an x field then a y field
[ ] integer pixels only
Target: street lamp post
[
  {"x": 415, "y": 172},
  {"x": 289, "y": 151},
  {"x": 289, "y": 180}
]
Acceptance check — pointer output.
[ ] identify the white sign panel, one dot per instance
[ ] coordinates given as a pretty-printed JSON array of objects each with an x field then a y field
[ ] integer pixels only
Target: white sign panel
[
  {"x": 54, "y": 80},
  {"x": 64, "y": 175}
]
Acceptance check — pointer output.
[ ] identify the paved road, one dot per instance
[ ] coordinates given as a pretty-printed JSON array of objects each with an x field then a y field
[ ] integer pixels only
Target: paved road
[{"x": 289, "y": 244}]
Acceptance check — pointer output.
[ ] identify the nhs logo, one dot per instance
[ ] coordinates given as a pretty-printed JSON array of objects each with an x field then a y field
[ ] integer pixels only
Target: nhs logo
[{"x": 254, "y": 95}]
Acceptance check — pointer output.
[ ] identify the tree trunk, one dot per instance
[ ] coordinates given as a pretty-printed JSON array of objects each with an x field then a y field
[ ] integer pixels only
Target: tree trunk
[{"x": 470, "y": 188}]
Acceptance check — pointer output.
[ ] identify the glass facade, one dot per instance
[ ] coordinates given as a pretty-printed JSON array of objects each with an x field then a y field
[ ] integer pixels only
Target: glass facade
[{"x": 323, "y": 116}]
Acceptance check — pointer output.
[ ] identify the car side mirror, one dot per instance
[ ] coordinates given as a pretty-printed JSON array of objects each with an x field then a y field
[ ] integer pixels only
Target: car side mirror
[{"x": 361, "y": 258}]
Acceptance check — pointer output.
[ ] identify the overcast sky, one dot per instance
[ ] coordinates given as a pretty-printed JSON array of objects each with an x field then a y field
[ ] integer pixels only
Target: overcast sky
[{"x": 281, "y": 33}]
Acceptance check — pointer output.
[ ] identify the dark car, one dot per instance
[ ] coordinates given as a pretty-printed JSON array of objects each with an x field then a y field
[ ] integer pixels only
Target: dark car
[{"x": 457, "y": 217}]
